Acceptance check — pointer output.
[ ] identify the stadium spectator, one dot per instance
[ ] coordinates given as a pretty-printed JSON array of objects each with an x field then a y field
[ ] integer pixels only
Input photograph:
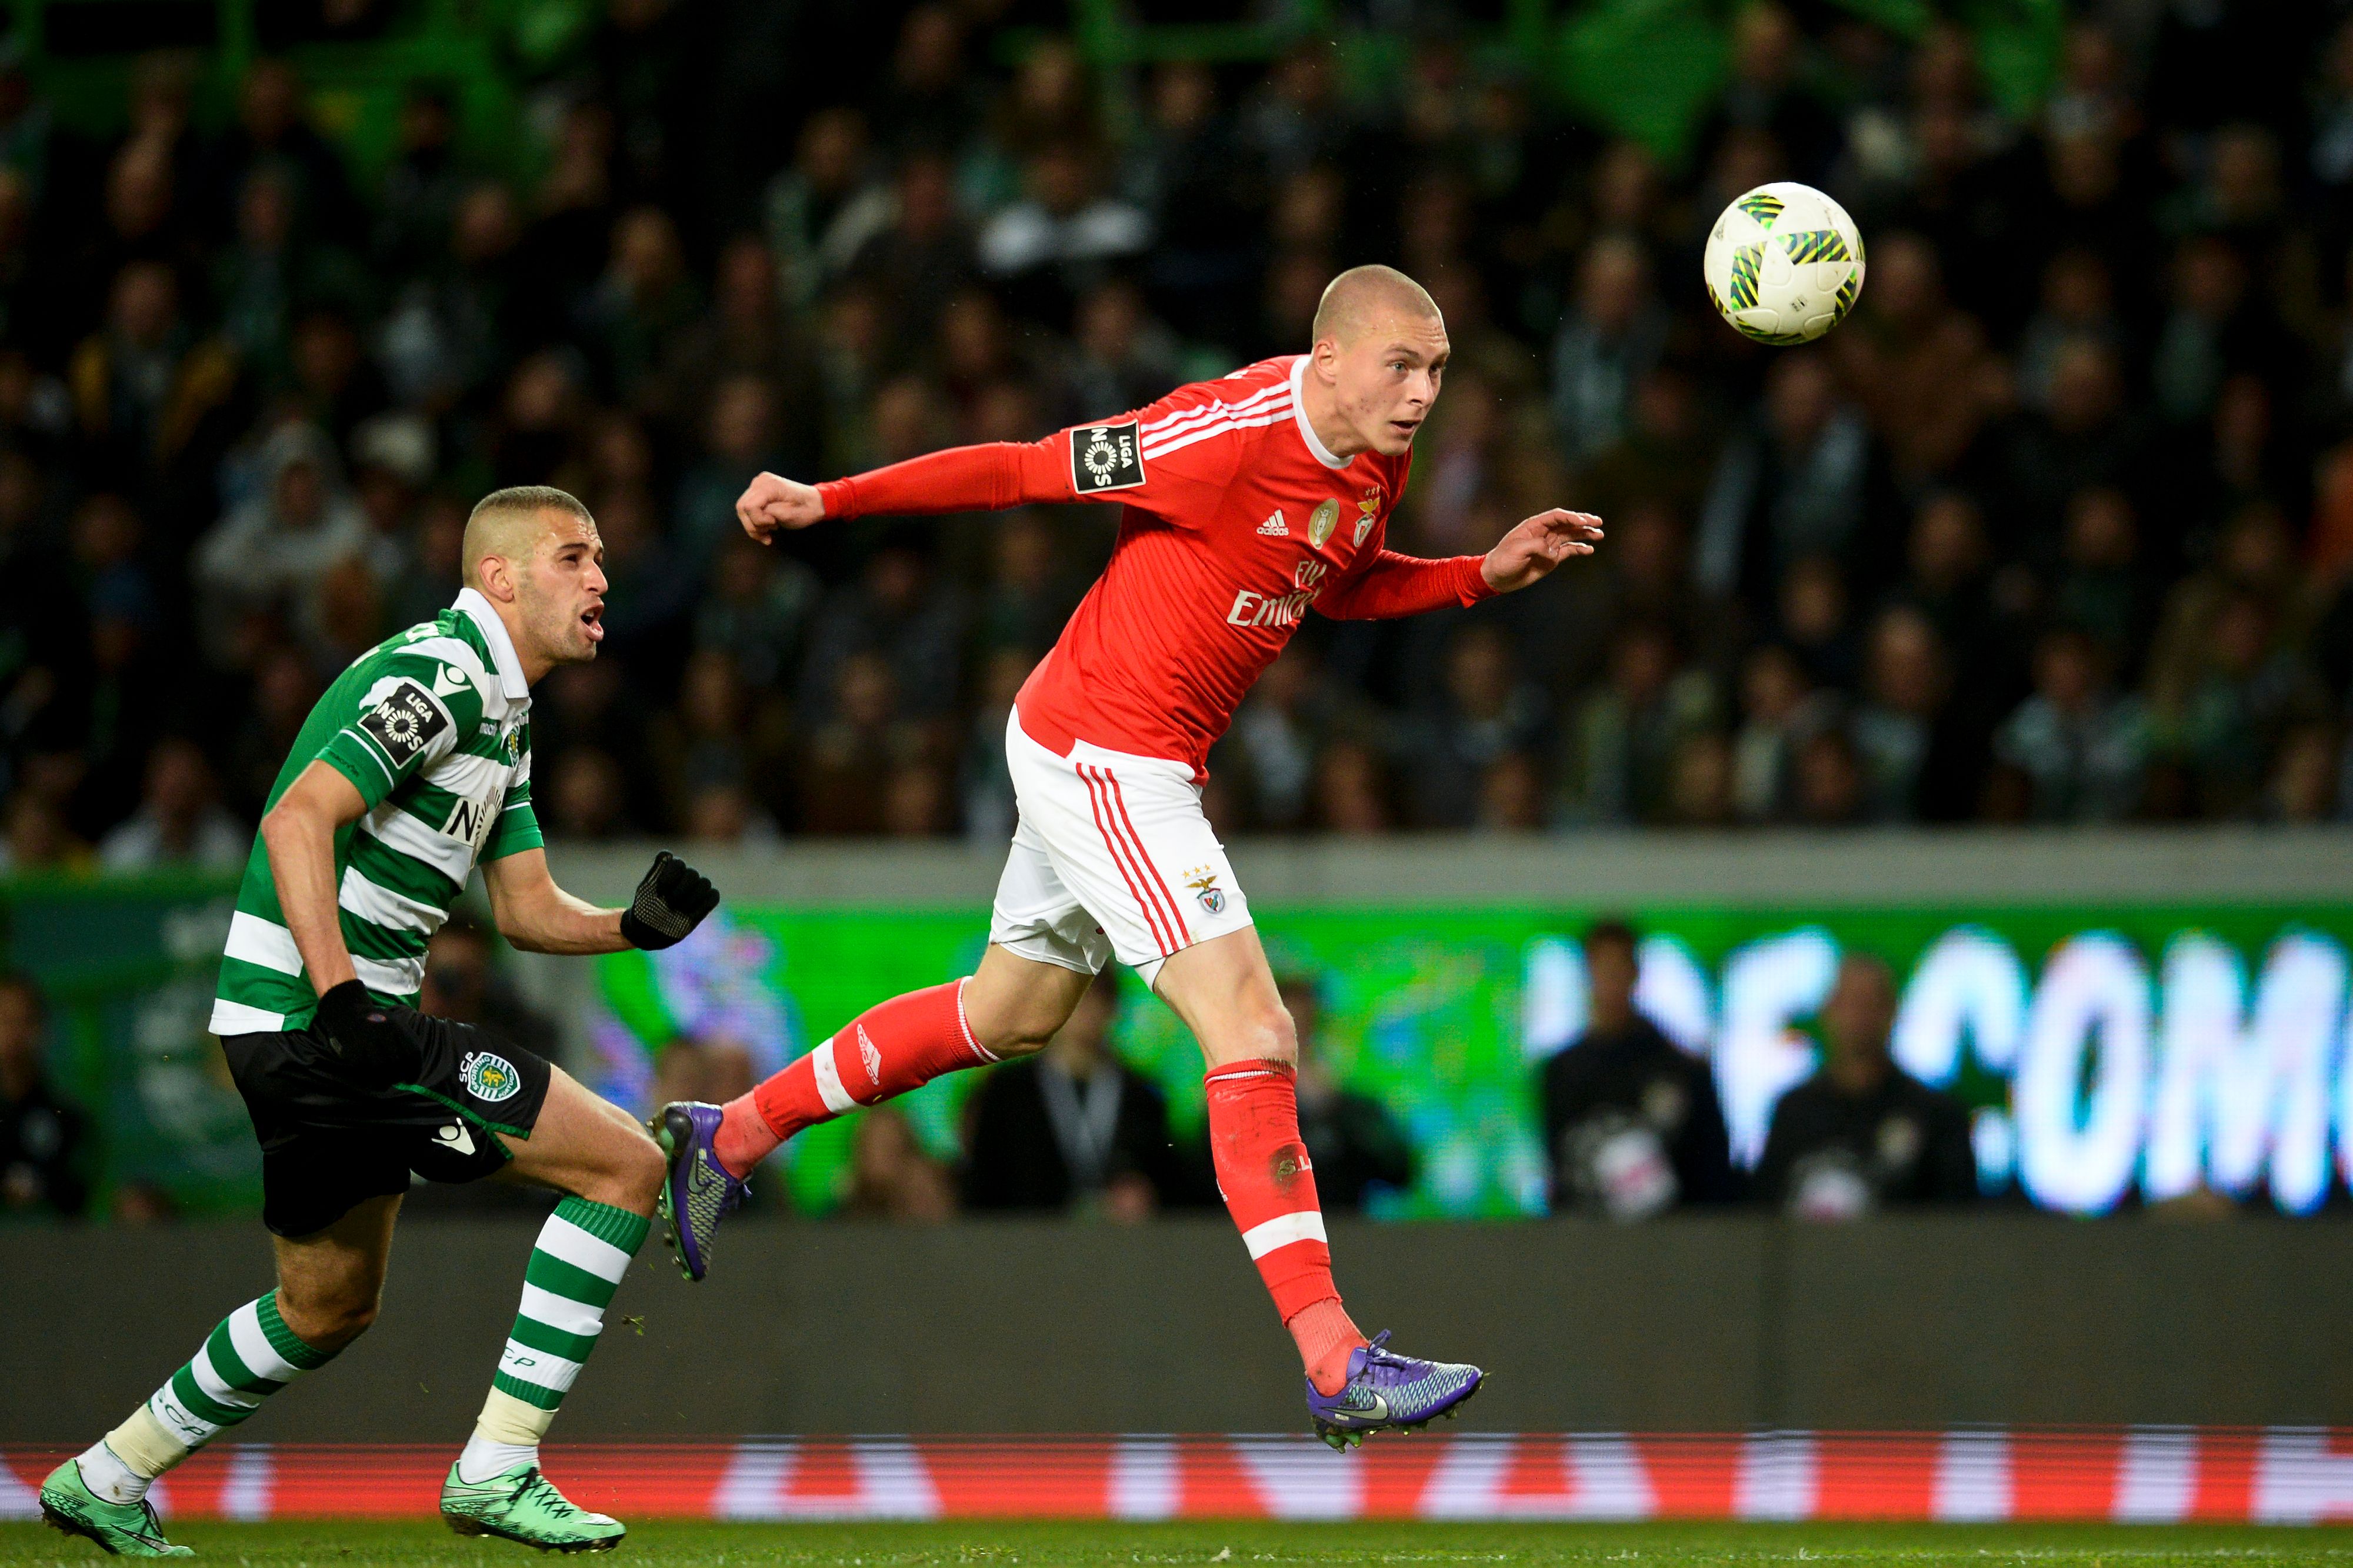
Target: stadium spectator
[
  {"x": 891, "y": 1177},
  {"x": 45, "y": 1148},
  {"x": 1632, "y": 1127},
  {"x": 1356, "y": 1146},
  {"x": 700, "y": 1066},
  {"x": 1606, "y": 347},
  {"x": 1073, "y": 1127},
  {"x": 2076, "y": 751},
  {"x": 1862, "y": 1135},
  {"x": 1916, "y": 766},
  {"x": 1485, "y": 711},
  {"x": 1778, "y": 711},
  {"x": 1618, "y": 757},
  {"x": 1801, "y": 479},
  {"x": 270, "y": 553},
  {"x": 179, "y": 822}
]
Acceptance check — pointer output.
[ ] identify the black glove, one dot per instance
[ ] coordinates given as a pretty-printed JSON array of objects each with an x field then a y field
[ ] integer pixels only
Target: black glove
[
  {"x": 376, "y": 1049},
  {"x": 670, "y": 902}
]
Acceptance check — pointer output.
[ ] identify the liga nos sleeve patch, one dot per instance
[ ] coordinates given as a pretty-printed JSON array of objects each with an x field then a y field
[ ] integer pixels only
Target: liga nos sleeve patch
[
  {"x": 1106, "y": 458},
  {"x": 404, "y": 721}
]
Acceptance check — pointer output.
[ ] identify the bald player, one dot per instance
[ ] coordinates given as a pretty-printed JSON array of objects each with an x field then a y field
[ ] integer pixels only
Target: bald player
[
  {"x": 1249, "y": 501},
  {"x": 413, "y": 770}
]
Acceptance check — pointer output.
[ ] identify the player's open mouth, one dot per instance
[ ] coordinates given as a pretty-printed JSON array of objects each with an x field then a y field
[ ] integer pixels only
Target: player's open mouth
[{"x": 592, "y": 618}]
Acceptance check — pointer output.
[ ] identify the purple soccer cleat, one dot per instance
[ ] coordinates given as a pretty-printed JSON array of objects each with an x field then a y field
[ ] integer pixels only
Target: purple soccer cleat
[
  {"x": 1386, "y": 1392},
  {"x": 699, "y": 1192}
]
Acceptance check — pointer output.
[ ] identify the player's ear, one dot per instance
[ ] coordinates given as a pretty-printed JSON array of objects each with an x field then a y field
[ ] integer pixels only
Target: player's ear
[{"x": 497, "y": 575}]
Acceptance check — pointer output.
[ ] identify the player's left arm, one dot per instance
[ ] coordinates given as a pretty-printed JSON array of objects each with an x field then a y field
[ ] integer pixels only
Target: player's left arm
[
  {"x": 1528, "y": 554},
  {"x": 1383, "y": 583},
  {"x": 537, "y": 915}
]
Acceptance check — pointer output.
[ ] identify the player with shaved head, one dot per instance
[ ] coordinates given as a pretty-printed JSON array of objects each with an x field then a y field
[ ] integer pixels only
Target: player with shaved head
[
  {"x": 413, "y": 771},
  {"x": 1249, "y": 501}
]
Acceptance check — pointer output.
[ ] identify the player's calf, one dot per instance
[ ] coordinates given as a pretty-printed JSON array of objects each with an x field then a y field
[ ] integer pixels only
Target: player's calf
[{"x": 610, "y": 1171}]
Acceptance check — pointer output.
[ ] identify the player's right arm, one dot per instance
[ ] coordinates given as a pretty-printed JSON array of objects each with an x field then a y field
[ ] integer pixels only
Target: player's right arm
[
  {"x": 1154, "y": 458},
  {"x": 413, "y": 713},
  {"x": 299, "y": 832},
  {"x": 986, "y": 478}
]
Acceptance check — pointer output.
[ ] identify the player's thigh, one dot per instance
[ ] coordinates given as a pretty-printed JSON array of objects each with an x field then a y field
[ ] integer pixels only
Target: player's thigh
[
  {"x": 589, "y": 1147},
  {"x": 1126, "y": 836},
  {"x": 1224, "y": 991},
  {"x": 330, "y": 1281},
  {"x": 1015, "y": 1004},
  {"x": 1043, "y": 949}
]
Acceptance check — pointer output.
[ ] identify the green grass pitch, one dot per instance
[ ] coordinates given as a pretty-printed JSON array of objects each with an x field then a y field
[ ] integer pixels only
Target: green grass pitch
[{"x": 1051, "y": 1545}]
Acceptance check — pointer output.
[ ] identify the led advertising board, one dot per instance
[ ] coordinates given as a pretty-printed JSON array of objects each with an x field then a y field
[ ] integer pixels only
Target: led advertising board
[{"x": 2109, "y": 1056}]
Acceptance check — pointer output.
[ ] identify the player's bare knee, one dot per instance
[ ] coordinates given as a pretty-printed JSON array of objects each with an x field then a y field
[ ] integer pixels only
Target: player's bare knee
[
  {"x": 1014, "y": 1026},
  {"x": 1025, "y": 1035},
  {"x": 1274, "y": 1036},
  {"x": 328, "y": 1319},
  {"x": 631, "y": 1173}
]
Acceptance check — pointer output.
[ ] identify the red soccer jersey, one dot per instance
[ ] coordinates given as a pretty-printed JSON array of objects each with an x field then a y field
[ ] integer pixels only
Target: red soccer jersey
[{"x": 1237, "y": 519}]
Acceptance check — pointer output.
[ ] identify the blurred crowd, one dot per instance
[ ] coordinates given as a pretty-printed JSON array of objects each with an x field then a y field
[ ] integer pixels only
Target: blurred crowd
[{"x": 2057, "y": 527}]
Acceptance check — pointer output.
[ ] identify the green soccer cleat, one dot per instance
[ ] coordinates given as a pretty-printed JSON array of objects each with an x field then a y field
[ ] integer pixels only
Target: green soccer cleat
[
  {"x": 120, "y": 1529},
  {"x": 523, "y": 1505}
]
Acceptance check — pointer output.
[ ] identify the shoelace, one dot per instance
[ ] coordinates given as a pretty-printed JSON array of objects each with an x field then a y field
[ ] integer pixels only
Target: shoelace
[
  {"x": 1377, "y": 1353},
  {"x": 555, "y": 1501}
]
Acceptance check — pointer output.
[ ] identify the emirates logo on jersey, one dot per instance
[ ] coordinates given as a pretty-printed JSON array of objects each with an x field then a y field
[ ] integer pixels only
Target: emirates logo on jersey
[{"x": 1251, "y": 609}]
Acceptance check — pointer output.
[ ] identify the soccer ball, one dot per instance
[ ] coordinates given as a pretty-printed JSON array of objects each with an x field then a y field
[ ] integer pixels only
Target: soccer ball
[{"x": 1783, "y": 264}]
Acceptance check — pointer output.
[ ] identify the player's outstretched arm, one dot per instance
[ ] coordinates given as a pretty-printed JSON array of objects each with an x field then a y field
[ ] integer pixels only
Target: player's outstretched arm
[
  {"x": 1528, "y": 554},
  {"x": 985, "y": 477},
  {"x": 1385, "y": 583},
  {"x": 772, "y": 502},
  {"x": 537, "y": 915}
]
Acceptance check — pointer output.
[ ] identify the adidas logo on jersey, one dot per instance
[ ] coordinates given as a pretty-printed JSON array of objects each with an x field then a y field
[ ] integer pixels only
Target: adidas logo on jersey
[{"x": 1274, "y": 526}]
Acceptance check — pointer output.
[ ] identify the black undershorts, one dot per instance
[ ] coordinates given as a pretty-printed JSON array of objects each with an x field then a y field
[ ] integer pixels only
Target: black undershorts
[{"x": 329, "y": 1144}]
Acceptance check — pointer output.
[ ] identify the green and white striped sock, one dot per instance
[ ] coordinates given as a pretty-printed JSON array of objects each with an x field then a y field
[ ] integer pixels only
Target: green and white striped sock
[
  {"x": 582, "y": 1251},
  {"x": 250, "y": 1356}
]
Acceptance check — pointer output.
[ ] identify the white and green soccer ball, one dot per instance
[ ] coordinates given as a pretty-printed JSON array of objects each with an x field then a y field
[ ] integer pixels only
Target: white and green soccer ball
[{"x": 1784, "y": 263}]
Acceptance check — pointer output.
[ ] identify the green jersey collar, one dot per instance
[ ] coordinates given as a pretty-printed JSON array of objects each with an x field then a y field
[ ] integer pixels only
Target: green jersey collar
[{"x": 494, "y": 632}]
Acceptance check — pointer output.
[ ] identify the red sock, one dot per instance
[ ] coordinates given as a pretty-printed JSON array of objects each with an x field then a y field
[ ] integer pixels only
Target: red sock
[
  {"x": 888, "y": 1049},
  {"x": 1327, "y": 1336},
  {"x": 1269, "y": 1189}
]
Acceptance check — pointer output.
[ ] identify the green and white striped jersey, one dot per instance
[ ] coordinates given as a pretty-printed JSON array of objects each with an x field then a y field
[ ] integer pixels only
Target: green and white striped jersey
[{"x": 433, "y": 727}]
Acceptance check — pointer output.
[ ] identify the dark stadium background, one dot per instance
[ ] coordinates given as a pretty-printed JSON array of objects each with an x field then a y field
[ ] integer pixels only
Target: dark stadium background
[
  {"x": 2006, "y": 636},
  {"x": 2054, "y": 529}
]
